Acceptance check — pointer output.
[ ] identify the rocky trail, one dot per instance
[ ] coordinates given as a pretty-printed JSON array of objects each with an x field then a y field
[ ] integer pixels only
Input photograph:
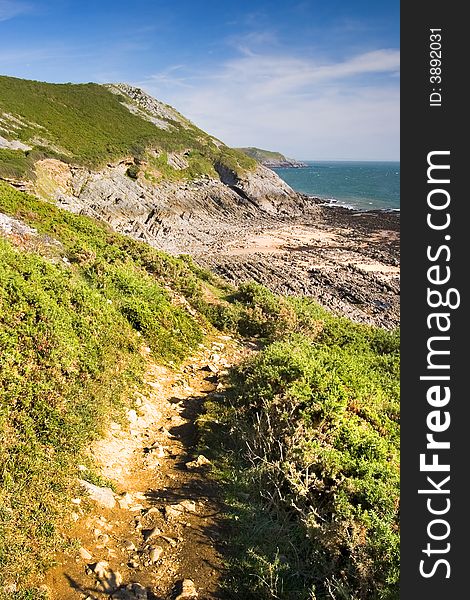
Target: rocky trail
[{"x": 159, "y": 534}]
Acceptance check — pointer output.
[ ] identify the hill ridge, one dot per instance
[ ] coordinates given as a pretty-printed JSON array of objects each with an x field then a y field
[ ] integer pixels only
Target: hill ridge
[
  {"x": 115, "y": 152},
  {"x": 272, "y": 159}
]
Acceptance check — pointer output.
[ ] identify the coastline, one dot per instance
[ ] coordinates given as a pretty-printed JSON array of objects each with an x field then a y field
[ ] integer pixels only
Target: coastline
[
  {"x": 334, "y": 203},
  {"x": 359, "y": 185},
  {"x": 347, "y": 260}
]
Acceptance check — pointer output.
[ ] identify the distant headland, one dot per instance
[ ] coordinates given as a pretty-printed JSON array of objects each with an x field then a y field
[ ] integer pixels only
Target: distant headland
[{"x": 272, "y": 159}]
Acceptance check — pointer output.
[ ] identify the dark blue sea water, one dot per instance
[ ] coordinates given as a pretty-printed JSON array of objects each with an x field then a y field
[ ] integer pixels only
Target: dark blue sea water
[{"x": 357, "y": 185}]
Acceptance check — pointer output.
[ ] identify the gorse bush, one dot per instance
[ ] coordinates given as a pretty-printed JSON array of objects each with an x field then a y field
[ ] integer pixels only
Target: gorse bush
[
  {"x": 264, "y": 314},
  {"x": 319, "y": 422},
  {"x": 168, "y": 330},
  {"x": 254, "y": 310},
  {"x": 132, "y": 171}
]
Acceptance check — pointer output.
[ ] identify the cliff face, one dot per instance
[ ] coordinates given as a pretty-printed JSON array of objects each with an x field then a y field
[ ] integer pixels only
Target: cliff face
[
  {"x": 134, "y": 162},
  {"x": 182, "y": 216}
]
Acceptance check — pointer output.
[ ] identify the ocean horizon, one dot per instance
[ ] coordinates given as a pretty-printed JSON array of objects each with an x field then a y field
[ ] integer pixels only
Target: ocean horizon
[{"x": 359, "y": 185}]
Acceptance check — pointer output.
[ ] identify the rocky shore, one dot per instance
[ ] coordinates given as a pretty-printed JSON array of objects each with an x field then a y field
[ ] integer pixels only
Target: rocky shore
[
  {"x": 348, "y": 261},
  {"x": 249, "y": 227}
]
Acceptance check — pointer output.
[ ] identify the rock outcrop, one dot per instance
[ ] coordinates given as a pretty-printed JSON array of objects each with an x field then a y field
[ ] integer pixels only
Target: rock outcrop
[
  {"x": 147, "y": 107},
  {"x": 178, "y": 217}
]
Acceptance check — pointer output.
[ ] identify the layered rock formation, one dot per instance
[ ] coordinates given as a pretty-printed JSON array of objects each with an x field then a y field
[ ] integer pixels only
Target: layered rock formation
[{"x": 178, "y": 217}]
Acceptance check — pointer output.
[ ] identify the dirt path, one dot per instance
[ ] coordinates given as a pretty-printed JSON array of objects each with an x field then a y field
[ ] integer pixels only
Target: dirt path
[{"x": 158, "y": 536}]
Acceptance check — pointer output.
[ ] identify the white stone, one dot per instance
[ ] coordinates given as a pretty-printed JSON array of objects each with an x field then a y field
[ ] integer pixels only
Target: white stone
[
  {"x": 129, "y": 545},
  {"x": 188, "y": 590},
  {"x": 132, "y": 416},
  {"x": 103, "y": 496},
  {"x": 188, "y": 505},
  {"x": 85, "y": 554},
  {"x": 155, "y": 554},
  {"x": 199, "y": 462}
]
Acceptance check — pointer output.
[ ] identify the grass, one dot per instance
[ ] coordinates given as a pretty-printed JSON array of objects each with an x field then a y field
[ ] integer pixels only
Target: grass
[
  {"x": 86, "y": 124},
  {"x": 305, "y": 443},
  {"x": 308, "y": 453},
  {"x": 14, "y": 164}
]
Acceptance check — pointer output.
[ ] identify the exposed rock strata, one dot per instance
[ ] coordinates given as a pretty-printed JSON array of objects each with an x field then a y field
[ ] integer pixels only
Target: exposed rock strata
[
  {"x": 349, "y": 262},
  {"x": 177, "y": 217},
  {"x": 147, "y": 107},
  {"x": 252, "y": 227}
]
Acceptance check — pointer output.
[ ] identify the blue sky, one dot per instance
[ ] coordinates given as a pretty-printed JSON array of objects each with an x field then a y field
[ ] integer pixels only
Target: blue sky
[{"x": 312, "y": 79}]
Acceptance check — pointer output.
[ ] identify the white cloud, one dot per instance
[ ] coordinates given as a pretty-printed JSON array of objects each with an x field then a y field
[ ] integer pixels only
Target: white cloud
[
  {"x": 304, "y": 108},
  {"x": 10, "y": 9}
]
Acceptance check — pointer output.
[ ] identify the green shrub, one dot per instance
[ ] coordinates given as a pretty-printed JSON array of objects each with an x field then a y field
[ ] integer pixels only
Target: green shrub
[
  {"x": 263, "y": 314},
  {"x": 132, "y": 171},
  {"x": 319, "y": 421},
  {"x": 14, "y": 164}
]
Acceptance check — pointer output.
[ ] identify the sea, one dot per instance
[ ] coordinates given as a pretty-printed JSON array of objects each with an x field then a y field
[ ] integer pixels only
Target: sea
[{"x": 360, "y": 186}]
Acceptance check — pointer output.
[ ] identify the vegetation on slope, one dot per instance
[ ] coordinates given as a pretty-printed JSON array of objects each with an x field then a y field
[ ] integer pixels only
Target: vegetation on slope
[
  {"x": 261, "y": 155},
  {"x": 14, "y": 164},
  {"x": 309, "y": 453},
  {"x": 306, "y": 442},
  {"x": 87, "y": 124},
  {"x": 76, "y": 306}
]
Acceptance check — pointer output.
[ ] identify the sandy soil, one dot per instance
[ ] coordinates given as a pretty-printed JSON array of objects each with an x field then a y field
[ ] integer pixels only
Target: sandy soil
[
  {"x": 166, "y": 526},
  {"x": 347, "y": 261}
]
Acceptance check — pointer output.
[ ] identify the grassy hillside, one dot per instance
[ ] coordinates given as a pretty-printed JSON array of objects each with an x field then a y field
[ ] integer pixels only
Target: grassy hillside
[
  {"x": 88, "y": 125},
  {"x": 77, "y": 303},
  {"x": 306, "y": 444},
  {"x": 308, "y": 450}
]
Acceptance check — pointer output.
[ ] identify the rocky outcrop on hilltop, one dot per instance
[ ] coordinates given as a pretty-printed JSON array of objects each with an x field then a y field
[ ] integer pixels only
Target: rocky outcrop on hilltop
[{"x": 146, "y": 106}]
